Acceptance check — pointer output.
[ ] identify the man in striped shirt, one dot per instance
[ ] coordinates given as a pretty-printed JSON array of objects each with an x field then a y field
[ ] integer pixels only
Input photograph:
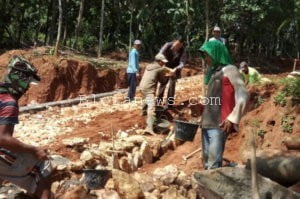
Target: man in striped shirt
[{"x": 21, "y": 164}]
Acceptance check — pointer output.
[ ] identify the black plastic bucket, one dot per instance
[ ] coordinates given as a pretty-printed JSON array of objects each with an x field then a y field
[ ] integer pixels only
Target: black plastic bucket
[
  {"x": 185, "y": 131},
  {"x": 96, "y": 179}
]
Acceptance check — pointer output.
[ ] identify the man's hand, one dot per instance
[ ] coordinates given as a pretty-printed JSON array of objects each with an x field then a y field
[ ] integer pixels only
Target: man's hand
[
  {"x": 227, "y": 127},
  {"x": 169, "y": 74},
  {"x": 40, "y": 153}
]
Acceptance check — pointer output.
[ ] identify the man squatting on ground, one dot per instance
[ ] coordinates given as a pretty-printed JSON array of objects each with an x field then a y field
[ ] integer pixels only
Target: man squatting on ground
[
  {"x": 220, "y": 119},
  {"x": 175, "y": 54},
  {"x": 21, "y": 164},
  {"x": 154, "y": 73},
  {"x": 133, "y": 69}
]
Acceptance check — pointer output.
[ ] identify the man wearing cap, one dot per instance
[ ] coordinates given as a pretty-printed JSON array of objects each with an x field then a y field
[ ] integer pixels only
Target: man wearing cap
[
  {"x": 21, "y": 164},
  {"x": 154, "y": 73},
  {"x": 175, "y": 54},
  {"x": 133, "y": 69},
  {"x": 217, "y": 35}
]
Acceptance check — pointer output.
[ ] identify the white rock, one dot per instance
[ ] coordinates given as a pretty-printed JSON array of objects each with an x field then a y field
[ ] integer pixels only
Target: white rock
[
  {"x": 146, "y": 153},
  {"x": 86, "y": 155},
  {"x": 167, "y": 175}
]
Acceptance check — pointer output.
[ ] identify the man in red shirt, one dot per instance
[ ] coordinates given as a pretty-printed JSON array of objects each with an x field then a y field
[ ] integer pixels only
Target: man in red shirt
[{"x": 22, "y": 164}]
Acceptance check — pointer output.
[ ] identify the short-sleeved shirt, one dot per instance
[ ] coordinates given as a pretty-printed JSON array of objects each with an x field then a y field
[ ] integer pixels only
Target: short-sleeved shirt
[
  {"x": 9, "y": 109},
  {"x": 133, "y": 61}
]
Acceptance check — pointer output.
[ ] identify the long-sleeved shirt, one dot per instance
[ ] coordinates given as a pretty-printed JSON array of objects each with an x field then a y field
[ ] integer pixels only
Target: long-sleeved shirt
[
  {"x": 176, "y": 59},
  {"x": 252, "y": 77},
  {"x": 133, "y": 61},
  {"x": 153, "y": 74},
  {"x": 226, "y": 98}
]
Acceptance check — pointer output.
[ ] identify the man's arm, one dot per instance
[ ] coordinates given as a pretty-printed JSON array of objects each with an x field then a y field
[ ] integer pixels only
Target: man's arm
[
  {"x": 14, "y": 145},
  {"x": 241, "y": 95},
  {"x": 136, "y": 55},
  {"x": 182, "y": 61},
  {"x": 164, "y": 48}
]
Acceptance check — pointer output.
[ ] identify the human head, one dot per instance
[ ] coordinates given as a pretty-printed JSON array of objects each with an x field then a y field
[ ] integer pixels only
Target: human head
[
  {"x": 137, "y": 44},
  {"x": 178, "y": 43},
  {"x": 19, "y": 75},
  {"x": 215, "y": 55},
  {"x": 217, "y": 32},
  {"x": 161, "y": 59},
  {"x": 244, "y": 67}
]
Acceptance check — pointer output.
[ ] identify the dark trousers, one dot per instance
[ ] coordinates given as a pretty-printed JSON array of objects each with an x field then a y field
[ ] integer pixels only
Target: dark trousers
[
  {"x": 131, "y": 77},
  {"x": 171, "y": 91}
]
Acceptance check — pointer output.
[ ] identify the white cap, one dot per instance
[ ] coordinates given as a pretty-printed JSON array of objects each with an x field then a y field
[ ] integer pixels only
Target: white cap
[
  {"x": 137, "y": 42},
  {"x": 161, "y": 57},
  {"x": 217, "y": 29}
]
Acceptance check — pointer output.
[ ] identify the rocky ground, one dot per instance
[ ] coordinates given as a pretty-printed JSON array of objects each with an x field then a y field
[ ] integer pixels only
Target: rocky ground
[{"x": 108, "y": 135}]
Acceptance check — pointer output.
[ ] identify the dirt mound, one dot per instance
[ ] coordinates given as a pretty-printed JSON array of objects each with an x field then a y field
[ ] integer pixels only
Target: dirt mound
[
  {"x": 268, "y": 121},
  {"x": 64, "y": 78}
]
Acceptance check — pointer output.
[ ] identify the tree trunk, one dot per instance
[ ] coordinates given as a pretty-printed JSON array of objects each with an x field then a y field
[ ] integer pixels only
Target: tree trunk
[
  {"x": 79, "y": 19},
  {"x": 20, "y": 28},
  {"x": 206, "y": 39},
  {"x": 101, "y": 29},
  {"x": 130, "y": 30},
  {"x": 60, "y": 19},
  {"x": 48, "y": 21},
  {"x": 66, "y": 20},
  {"x": 188, "y": 27},
  {"x": 53, "y": 24}
]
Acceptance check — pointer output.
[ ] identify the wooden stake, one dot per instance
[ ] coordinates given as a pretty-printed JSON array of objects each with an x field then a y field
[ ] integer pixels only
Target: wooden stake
[{"x": 254, "y": 183}]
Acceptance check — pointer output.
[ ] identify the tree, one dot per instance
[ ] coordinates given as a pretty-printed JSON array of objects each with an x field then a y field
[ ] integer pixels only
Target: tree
[
  {"x": 79, "y": 19},
  {"x": 101, "y": 29},
  {"x": 60, "y": 19}
]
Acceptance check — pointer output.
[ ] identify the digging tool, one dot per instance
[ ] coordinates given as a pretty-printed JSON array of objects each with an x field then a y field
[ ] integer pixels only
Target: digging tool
[{"x": 186, "y": 157}]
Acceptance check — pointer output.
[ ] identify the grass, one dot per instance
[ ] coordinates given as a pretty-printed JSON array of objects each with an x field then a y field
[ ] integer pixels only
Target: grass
[
  {"x": 261, "y": 133},
  {"x": 259, "y": 101},
  {"x": 291, "y": 89},
  {"x": 287, "y": 123}
]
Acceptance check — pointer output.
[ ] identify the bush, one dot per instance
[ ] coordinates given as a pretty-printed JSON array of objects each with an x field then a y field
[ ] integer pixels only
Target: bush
[
  {"x": 287, "y": 123},
  {"x": 291, "y": 89}
]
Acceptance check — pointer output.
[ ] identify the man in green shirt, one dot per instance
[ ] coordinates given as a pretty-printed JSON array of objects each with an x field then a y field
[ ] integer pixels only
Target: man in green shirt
[{"x": 250, "y": 75}]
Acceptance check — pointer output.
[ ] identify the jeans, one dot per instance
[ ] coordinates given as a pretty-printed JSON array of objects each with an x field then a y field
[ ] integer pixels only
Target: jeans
[
  {"x": 131, "y": 77},
  {"x": 213, "y": 144}
]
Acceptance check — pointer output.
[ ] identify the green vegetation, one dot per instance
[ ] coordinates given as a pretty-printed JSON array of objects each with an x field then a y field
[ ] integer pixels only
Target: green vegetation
[
  {"x": 291, "y": 89},
  {"x": 287, "y": 123},
  {"x": 259, "y": 101},
  {"x": 256, "y": 123},
  {"x": 261, "y": 133},
  {"x": 280, "y": 99},
  {"x": 258, "y": 27}
]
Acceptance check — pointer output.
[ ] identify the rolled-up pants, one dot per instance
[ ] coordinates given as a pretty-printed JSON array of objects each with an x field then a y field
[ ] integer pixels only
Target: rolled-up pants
[{"x": 149, "y": 106}]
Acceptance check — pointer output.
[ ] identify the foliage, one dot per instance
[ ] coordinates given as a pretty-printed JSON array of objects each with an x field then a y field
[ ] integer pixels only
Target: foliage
[
  {"x": 256, "y": 123},
  {"x": 257, "y": 26},
  {"x": 259, "y": 101},
  {"x": 287, "y": 123},
  {"x": 280, "y": 99},
  {"x": 291, "y": 89},
  {"x": 261, "y": 133}
]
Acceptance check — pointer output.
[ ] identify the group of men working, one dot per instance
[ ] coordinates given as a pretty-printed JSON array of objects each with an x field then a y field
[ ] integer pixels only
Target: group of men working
[
  {"x": 29, "y": 167},
  {"x": 224, "y": 81}
]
